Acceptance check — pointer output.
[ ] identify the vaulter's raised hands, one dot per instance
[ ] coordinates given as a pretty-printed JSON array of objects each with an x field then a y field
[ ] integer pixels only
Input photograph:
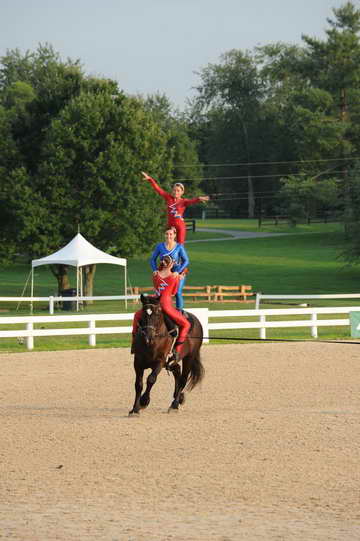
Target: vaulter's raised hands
[{"x": 145, "y": 175}]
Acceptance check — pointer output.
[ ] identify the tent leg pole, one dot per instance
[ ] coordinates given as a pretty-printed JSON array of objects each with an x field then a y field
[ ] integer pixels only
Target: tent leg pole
[
  {"x": 32, "y": 290},
  {"x": 81, "y": 286},
  {"x": 77, "y": 289},
  {"x": 125, "y": 287}
]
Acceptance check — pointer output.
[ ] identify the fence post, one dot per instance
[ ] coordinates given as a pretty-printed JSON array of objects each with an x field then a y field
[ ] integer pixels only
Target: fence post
[
  {"x": 263, "y": 329},
  {"x": 30, "y": 339},
  {"x": 92, "y": 337},
  {"x": 314, "y": 329},
  {"x": 51, "y": 304},
  {"x": 257, "y": 300},
  {"x": 203, "y": 316}
]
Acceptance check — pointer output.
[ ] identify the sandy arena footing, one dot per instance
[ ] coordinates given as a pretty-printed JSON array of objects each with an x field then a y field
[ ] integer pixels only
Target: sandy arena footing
[{"x": 267, "y": 448}]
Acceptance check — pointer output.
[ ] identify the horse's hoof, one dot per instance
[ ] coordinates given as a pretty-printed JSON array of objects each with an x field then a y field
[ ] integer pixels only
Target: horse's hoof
[
  {"x": 144, "y": 402},
  {"x": 133, "y": 413},
  {"x": 173, "y": 409}
]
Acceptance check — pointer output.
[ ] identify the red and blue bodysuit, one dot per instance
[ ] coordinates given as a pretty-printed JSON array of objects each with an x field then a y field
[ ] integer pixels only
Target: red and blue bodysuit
[
  {"x": 175, "y": 210},
  {"x": 179, "y": 255},
  {"x": 165, "y": 288}
]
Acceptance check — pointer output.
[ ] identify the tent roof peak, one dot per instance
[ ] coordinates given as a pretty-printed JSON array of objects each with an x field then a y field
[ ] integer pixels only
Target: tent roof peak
[{"x": 77, "y": 253}]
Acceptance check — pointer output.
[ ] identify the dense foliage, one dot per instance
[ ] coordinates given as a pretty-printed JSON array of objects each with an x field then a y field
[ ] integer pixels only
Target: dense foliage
[
  {"x": 272, "y": 131},
  {"x": 73, "y": 148},
  {"x": 279, "y": 116}
]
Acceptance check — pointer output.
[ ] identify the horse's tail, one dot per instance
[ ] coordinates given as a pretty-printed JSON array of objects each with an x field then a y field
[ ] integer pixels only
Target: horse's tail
[{"x": 197, "y": 370}]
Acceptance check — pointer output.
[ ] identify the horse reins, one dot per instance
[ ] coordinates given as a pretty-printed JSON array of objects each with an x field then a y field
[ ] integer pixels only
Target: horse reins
[{"x": 233, "y": 339}]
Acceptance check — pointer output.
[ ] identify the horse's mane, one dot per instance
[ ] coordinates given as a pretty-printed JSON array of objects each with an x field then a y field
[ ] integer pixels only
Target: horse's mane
[{"x": 147, "y": 299}]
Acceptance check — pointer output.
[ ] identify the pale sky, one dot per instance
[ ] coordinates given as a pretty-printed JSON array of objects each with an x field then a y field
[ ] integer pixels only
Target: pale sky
[{"x": 153, "y": 46}]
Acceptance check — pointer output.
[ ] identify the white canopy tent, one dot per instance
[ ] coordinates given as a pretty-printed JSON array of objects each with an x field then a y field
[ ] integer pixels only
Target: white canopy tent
[{"x": 78, "y": 253}]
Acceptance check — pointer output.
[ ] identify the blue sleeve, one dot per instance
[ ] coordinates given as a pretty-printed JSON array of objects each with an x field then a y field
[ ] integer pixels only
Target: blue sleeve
[
  {"x": 184, "y": 258},
  {"x": 154, "y": 257}
]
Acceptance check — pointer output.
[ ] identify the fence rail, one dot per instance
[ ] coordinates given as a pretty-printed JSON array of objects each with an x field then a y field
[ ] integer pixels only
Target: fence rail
[
  {"x": 260, "y": 297},
  {"x": 52, "y": 299},
  {"x": 311, "y": 319}
]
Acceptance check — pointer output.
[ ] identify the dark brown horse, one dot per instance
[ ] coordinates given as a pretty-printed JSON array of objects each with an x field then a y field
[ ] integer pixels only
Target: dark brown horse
[{"x": 153, "y": 343}]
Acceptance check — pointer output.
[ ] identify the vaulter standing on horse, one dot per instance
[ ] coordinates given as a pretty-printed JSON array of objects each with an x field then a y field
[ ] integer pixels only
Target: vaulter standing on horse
[
  {"x": 166, "y": 283},
  {"x": 176, "y": 205},
  {"x": 178, "y": 253}
]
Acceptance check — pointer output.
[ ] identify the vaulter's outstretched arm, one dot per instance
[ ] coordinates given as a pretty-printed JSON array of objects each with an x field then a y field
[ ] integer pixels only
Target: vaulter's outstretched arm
[{"x": 155, "y": 185}]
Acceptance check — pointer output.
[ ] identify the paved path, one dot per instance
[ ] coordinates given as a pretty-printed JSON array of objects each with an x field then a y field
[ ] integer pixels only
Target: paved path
[{"x": 234, "y": 234}]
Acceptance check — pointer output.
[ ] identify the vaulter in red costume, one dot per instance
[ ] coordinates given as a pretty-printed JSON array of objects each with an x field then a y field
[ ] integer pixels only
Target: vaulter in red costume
[
  {"x": 176, "y": 206},
  {"x": 166, "y": 284}
]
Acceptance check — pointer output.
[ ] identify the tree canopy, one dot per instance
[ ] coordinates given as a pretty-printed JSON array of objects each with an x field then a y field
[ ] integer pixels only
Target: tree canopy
[
  {"x": 73, "y": 149},
  {"x": 275, "y": 129}
]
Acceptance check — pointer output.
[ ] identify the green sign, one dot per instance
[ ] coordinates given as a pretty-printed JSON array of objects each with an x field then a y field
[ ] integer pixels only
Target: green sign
[{"x": 355, "y": 324}]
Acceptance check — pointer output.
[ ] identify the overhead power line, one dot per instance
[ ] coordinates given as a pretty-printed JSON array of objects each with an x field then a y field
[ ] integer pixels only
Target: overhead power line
[
  {"x": 266, "y": 163},
  {"x": 246, "y": 177}
]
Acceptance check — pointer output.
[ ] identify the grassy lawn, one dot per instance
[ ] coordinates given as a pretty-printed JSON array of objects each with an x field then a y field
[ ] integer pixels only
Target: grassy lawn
[
  {"x": 294, "y": 264},
  {"x": 283, "y": 227}
]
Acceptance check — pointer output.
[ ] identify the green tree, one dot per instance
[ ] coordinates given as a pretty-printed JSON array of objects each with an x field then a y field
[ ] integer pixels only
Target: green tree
[
  {"x": 73, "y": 149},
  {"x": 302, "y": 196},
  {"x": 228, "y": 110},
  {"x": 183, "y": 157},
  {"x": 351, "y": 250},
  {"x": 90, "y": 174},
  {"x": 334, "y": 64}
]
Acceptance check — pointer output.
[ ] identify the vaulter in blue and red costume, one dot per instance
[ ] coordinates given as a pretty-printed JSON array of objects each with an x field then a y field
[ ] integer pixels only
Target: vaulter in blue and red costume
[{"x": 181, "y": 261}]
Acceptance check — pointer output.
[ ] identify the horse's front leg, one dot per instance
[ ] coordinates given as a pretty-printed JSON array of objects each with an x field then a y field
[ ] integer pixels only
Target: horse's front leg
[
  {"x": 138, "y": 389},
  {"x": 145, "y": 398},
  {"x": 181, "y": 377}
]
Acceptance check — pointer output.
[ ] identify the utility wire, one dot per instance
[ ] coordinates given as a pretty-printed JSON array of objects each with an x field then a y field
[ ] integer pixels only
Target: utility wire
[
  {"x": 246, "y": 177},
  {"x": 266, "y": 163}
]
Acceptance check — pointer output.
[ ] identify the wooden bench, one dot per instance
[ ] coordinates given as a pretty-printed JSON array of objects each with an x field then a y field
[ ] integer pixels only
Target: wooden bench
[
  {"x": 198, "y": 291},
  {"x": 241, "y": 293},
  {"x": 206, "y": 293},
  {"x": 138, "y": 291},
  {"x": 272, "y": 220},
  {"x": 203, "y": 292}
]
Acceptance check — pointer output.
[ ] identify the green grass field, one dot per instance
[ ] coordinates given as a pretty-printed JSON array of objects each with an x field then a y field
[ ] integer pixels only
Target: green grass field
[
  {"x": 283, "y": 227},
  {"x": 293, "y": 264}
]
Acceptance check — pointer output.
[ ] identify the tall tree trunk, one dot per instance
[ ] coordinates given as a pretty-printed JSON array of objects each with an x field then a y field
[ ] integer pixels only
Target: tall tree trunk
[
  {"x": 347, "y": 197},
  {"x": 89, "y": 271},
  {"x": 61, "y": 274},
  {"x": 343, "y": 104},
  {"x": 251, "y": 198}
]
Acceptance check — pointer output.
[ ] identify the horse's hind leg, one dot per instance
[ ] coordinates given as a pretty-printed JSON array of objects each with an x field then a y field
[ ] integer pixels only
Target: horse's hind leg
[
  {"x": 181, "y": 377},
  {"x": 138, "y": 389},
  {"x": 145, "y": 398},
  {"x": 176, "y": 370}
]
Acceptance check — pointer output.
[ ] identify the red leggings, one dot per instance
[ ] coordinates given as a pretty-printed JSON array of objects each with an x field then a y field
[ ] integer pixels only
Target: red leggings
[
  {"x": 180, "y": 227},
  {"x": 175, "y": 315}
]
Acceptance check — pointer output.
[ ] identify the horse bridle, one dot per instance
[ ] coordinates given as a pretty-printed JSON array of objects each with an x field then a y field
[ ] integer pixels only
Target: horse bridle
[{"x": 143, "y": 327}]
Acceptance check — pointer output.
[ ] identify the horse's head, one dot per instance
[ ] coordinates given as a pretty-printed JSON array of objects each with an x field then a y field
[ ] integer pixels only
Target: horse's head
[{"x": 152, "y": 320}]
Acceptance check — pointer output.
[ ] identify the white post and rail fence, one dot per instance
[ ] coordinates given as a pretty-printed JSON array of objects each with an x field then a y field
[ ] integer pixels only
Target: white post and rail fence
[
  {"x": 261, "y": 297},
  {"x": 261, "y": 319},
  {"x": 53, "y": 300}
]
